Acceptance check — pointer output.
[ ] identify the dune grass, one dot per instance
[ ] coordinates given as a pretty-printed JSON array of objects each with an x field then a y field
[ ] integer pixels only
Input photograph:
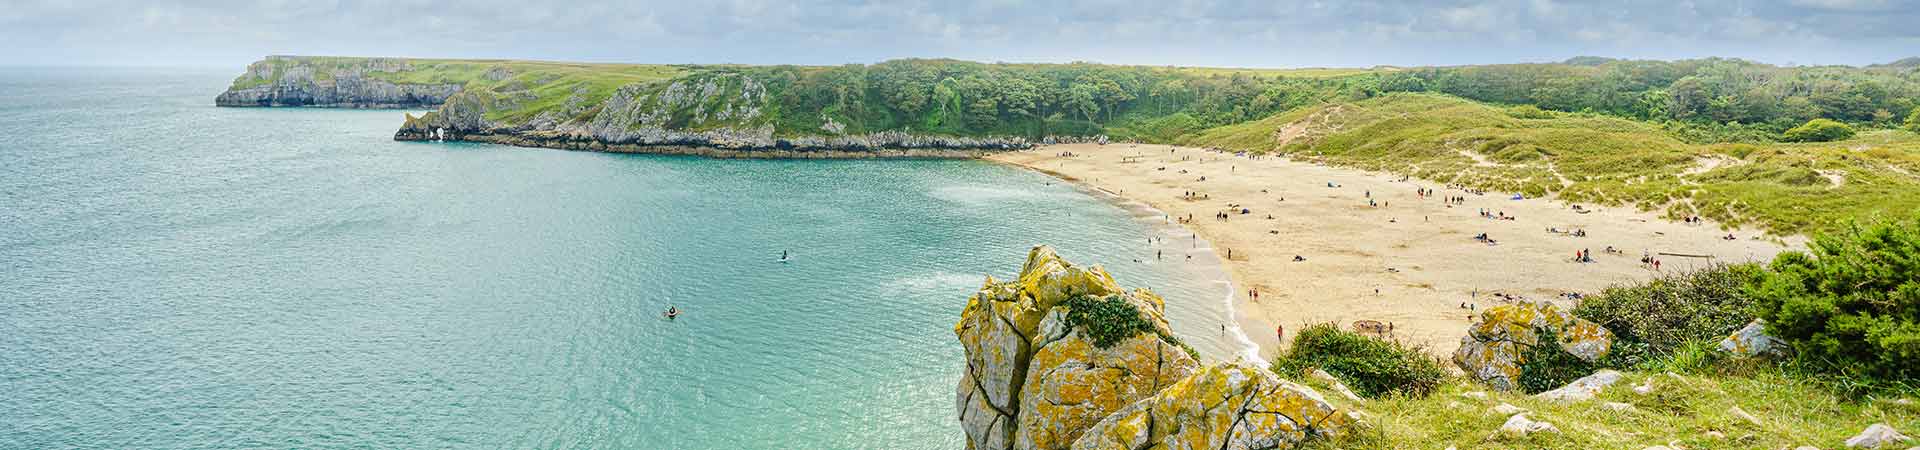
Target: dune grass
[
  {"x": 1694, "y": 396},
  {"x": 1785, "y": 188}
]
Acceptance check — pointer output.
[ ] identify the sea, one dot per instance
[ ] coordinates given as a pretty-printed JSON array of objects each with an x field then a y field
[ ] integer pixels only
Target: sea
[{"x": 176, "y": 275}]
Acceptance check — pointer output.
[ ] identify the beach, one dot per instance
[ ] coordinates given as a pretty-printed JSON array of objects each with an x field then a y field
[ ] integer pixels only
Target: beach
[{"x": 1307, "y": 243}]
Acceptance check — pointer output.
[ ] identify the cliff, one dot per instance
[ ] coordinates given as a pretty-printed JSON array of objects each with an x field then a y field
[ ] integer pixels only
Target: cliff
[
  {"x": 333, "y": 82},
  {"x": 1062, "y": 357},
  {"x": 712, "y": 113}
]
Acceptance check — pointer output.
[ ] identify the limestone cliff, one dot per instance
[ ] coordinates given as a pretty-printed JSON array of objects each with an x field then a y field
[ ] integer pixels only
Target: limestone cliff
[
  {"x": 332, "y": 82},
  {"x": 1060, "y": 349},
  {"x": 722, "y": 111}
]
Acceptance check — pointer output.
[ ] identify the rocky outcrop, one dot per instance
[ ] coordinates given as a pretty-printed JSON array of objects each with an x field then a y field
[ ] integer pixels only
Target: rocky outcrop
[
  {"x": 1225, "y": 406},
  {"x": 1032, "y": 380},
  {"x": 1046, "y": 369},
  {"x": 721, "y": 112},
  {"x": 1752, "y": 340},
  {"x": 331, "y": 82},
  {"x": 1493, "y": 348}
]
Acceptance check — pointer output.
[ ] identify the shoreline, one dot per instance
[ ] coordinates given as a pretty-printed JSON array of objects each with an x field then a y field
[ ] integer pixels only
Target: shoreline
[
  {"x": 1249, "y": 346},
  {"x": 1363, "y": 262},
  {"x": 717, "y": 152}
]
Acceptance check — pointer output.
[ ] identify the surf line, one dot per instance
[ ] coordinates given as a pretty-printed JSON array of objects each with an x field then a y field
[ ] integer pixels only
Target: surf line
[{"x": 1248, "y": 349}]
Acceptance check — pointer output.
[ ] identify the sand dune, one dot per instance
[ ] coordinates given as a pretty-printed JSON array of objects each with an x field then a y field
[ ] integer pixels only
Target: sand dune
[{"x": 1418, "y": 254}]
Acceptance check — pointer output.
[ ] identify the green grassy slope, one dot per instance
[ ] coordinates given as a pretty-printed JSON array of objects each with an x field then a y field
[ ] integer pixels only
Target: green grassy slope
[
  {"x": 1788, "y": 188},
  {"x": 1682, "y": 409}
]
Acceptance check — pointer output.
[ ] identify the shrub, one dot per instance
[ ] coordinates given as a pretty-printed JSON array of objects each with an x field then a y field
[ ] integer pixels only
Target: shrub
[
  {"x": 1819, "y": 130},
  {"x": 1371, "y": 367},
  {"x": 1656, "y": 318},
  {"x": 1547, "y": 366},
  {"x": 1853, "y": 306},
  {"x": 1913, "y": 120},
  {"x": 1110, "y": 319}
]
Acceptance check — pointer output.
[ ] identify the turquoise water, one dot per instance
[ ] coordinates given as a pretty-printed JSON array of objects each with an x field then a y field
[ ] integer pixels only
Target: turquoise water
[{"x": 174, "y": 275}]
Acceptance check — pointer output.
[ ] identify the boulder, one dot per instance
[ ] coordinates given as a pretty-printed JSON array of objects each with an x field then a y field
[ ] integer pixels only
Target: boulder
[
  {"x": 1520, "y": 426},
  {"x": 1876, "y": 436},
  {"x": 1225, "y": 406},
  {"x": 1032, "y": 381},
  {"x": 1505, "y": 409},
  {"x": 1752, "y": 340},
  {"x": 1582, "y": 389},
  {"x": 1491, "y": 351}
]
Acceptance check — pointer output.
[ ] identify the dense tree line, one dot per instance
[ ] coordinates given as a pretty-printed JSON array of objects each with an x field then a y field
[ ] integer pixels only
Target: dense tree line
[
  {"x": 1719, "y": 92},
  {"x": 1707, "y": 98}
]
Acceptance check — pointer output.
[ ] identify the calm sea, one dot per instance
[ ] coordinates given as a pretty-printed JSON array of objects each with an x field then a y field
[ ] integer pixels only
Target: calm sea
[{"x": 174, "y": 275}]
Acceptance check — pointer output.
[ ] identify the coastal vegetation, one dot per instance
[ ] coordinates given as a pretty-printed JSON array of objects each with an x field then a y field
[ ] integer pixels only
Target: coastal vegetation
[
  {"x": 1598, "y": 159},
  {"x": 1851, "y": 307},
  {"x": 1374, "y": 368},
  {"x": 1655, "y": 319},
  {"x": 1788, "y": 149}
]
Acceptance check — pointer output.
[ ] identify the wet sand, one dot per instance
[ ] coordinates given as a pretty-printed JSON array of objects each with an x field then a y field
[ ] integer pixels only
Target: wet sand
[{"x": 1404, "y": 260}]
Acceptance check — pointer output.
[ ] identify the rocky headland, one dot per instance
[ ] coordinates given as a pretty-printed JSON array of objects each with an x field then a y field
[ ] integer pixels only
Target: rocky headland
[{"x": 1062, "y": 357}]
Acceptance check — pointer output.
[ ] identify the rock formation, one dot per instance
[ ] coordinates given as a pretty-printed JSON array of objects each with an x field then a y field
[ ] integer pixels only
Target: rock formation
[
  {"x": 1493, "y": 348},
  {"x": 1063, "y": 357},
  {"x": 1225, "y": 406},
  {"x": 721, "y": 112},
  {"x": 298, "y": 81},
  {"x": 1035, "y": 382},
  {"x": 1752, "y": 340}
]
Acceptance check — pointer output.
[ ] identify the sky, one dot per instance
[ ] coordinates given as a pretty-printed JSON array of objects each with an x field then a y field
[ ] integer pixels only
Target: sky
[{"x": 1220, "y": 33}]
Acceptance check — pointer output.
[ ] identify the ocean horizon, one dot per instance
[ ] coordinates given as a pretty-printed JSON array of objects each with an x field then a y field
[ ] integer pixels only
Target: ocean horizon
[{"x": 176, "y": 275}]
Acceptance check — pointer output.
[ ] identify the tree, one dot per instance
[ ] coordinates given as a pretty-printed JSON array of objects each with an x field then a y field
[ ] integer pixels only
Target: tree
[
  {"x": 1913, "y": 120},
  {"x": 1819, "y": 130},
  {"x": 1853, "y": 306}
]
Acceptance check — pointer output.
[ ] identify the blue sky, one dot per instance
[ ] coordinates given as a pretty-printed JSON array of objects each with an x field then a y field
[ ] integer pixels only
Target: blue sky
[{"x": 1242, "y": 33}]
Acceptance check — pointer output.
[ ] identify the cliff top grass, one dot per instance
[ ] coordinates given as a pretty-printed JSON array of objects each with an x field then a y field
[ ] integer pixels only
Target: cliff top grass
[
  {"x": 1584, "y": 158},
  {"x": 1682, "y": 409}
]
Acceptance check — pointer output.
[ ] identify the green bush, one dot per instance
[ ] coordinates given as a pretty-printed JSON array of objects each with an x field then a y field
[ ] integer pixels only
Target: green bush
[
  {"x": 1110, "y": 319},
  {"x": 1547, "y": 366},
  {"x": 1819, "y": 130},
  {"x": 1656, "y": 318},
  {"x": 1371, "y": 367},
  {"x": 1913, "y": 120},
  {"x": 1853, "y": 306}
]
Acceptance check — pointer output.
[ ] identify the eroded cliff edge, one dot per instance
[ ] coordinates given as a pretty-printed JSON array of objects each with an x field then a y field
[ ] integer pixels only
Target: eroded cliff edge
[
  {"x": 333, "y": 82},
  {"x": 722, "y": 111},
  {"x": 1062, "y": 357}
]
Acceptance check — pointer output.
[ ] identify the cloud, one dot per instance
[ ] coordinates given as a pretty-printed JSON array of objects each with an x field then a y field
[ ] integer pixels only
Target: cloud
[{"x": 1196, "y": 32}]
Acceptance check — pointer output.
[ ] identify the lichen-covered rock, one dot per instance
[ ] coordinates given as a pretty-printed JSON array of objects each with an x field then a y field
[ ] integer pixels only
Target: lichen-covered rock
[
  {"x": 1032, "y": 380},
  {"x": 1493, "y": 347},
  {"x": 1225, "y": 406},
  {"x": 1752, "y": 340},
  {"x": 1582, "y": 389}
]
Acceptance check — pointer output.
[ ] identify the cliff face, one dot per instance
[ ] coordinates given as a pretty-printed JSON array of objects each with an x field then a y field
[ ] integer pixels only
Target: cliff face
[
  {"x": 720, "y": 111},
  {"x": 296, "y": 81},
  {"x": 1046, "y": 369}
]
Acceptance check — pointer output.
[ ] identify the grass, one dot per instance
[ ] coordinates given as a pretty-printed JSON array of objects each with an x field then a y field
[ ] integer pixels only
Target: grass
[
  {"x": 520, "y": 89},
  {"x": 1786, "y": 188},
  {"x": 1690, "y": 398}
]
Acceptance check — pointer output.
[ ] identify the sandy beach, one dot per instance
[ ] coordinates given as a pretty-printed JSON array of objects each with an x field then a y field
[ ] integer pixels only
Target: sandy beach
[{"x": 1373, "y": 248}]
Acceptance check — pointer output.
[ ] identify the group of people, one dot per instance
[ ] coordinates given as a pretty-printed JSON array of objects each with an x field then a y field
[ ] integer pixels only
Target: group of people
[{"x": 1502, "y": 215}]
